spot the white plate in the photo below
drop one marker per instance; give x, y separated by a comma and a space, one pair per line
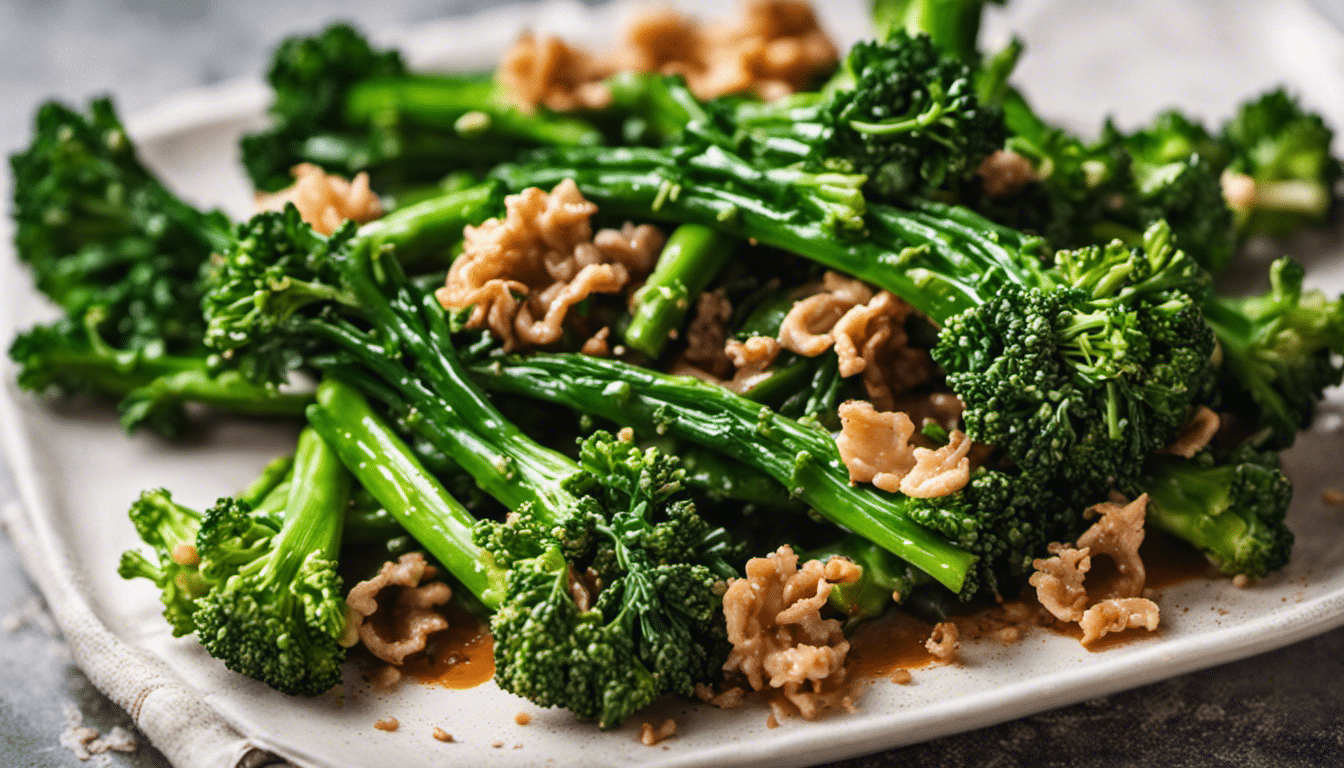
78, 473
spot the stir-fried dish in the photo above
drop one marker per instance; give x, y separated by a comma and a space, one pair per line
681, 361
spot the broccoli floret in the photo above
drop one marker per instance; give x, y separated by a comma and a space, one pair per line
901, 113
311, 77
99, 230
654, 627
1172, 174
1118, 186
1073, 187
911, 122
123, 257
1232, 512
1006, 518
1084, 380
170, 529
1283, 151
1280, 352
276, 609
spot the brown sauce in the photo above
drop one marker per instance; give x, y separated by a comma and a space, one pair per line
462, 656
895, 641
1170, 561
883, 645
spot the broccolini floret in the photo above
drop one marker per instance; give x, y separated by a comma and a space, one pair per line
122, 256
1233, 511
1280, 352
1284, 152
275, 610
901, 113
170, 529
1173, 176
911, 122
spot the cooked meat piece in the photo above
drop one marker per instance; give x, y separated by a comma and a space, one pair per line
866, 329
1196, 433
325, 200
522, 274
1059, 582
939, 472
546, 72
943, 642
778, 635
1118, 532
400, 600
1118, 615
1004, 173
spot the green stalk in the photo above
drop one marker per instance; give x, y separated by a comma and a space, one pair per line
272, 476
430, 228
437, 398
228, 391
438, 101
314, 510
693, 255
392, 474
804, 459
941, 259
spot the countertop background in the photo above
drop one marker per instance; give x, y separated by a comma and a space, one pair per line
1278, 709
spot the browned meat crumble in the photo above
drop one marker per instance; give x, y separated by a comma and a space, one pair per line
780, 641
875, 447
775, 49
649, 736
1196, 433
522, 274
325, 200
1058, 580
867, 331
401, 599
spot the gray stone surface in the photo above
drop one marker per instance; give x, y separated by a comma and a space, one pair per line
1278, 709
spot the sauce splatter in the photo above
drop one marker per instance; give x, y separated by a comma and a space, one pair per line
1170, 561
894, 641
881, 647
462, 656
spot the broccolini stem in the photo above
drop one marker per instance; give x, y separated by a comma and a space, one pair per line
428, 229
941, 259
469, 107
271, 477
227, 390
392, 474
663, 104
315, 509
1233, 513
804, 459
693, 255
437, 399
